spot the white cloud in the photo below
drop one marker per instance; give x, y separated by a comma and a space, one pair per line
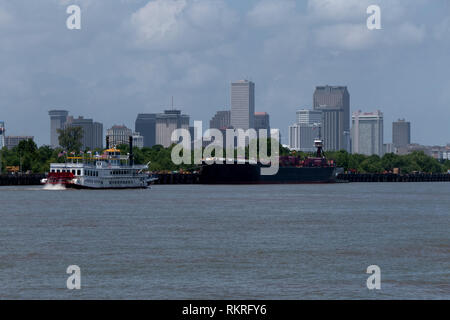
182, 24
338, 10
157, 23
354, 11
345, 36
408, 33
270, 13
5, 17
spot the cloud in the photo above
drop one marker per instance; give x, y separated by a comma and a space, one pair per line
181, 24
408, 33
157, 23
348, 36
337, 10
5, 17
441, 31
341, 24
345, 36
269, 13
355, 10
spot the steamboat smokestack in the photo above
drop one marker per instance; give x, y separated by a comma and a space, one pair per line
131, 150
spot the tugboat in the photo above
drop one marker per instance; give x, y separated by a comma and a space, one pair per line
111, 170
292, 170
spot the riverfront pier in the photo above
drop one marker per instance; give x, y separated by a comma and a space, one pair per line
194, 178
389, 177
21, 179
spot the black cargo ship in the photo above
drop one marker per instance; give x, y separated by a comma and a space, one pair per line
292, 170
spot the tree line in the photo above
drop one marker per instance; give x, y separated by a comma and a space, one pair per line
30, 158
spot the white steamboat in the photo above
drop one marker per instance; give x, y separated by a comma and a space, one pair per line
111, 170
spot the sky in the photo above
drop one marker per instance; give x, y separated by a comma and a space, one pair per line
132, 56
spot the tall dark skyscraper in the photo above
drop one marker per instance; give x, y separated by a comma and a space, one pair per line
262, 121
401, 133
146, 125
334, 102
92, 132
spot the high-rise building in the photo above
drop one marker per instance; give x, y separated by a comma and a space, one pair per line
367, 133
401, 133
119, 134
334, 102
243, 104
388, 148
2, 134
301, 137
221, 120
58, 119
138, 140
307, 128
13, 141
166, 123
309, 117
146, 125
92, 132
262, 122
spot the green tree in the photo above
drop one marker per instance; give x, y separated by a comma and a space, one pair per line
70, 138
26, 146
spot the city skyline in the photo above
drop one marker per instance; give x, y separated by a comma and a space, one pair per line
98, 70
61, 118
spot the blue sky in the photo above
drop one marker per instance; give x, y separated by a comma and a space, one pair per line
131, 56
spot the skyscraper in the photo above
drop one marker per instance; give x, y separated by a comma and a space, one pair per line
401, 133
262, 122
118, 134
221, 120
146, 125
243, 104
306, 129
166, 123
92, 132
334, 102
2, 135
309, 117
367, 133
58, 119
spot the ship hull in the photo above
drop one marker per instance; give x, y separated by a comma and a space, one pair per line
83, 187
251, 174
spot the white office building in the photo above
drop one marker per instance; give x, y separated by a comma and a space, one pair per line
307, 128
367, 133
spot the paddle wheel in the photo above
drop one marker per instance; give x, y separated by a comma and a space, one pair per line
63, 178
